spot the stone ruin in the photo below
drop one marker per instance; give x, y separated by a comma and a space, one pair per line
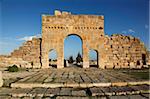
116, 51
26, 56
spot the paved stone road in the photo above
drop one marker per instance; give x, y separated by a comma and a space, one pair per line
76, 83
76, 77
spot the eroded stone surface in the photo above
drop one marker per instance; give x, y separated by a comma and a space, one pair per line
75, 77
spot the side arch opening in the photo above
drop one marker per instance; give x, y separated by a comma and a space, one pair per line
52, 58
93, 58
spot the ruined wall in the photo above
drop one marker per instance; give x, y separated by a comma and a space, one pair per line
30, 52
6, 61
26, 56
124, 52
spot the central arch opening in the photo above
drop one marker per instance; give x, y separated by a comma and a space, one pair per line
73, 51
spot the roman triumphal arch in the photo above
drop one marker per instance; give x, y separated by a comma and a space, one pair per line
56, 28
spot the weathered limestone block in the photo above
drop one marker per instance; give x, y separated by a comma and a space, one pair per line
57, 12
1, 79
132, 65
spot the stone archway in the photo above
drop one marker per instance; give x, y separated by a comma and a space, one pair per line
56, 28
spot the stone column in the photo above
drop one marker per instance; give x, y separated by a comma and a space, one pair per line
1, 79
45, 52
45, 60
60, 56
85, 55
101, 61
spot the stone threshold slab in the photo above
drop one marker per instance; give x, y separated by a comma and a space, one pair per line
74, 85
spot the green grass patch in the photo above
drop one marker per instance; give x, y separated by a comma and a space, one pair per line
137, 73
140, 75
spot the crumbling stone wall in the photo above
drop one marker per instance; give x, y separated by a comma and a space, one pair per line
6, 61
124, 52
30, 52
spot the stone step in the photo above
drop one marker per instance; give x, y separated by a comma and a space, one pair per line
111, 92
79, 84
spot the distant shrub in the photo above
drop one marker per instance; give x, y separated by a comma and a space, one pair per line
13, 68
70, 60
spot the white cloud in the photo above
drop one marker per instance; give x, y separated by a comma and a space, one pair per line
128, 31
146, 26
124, 32
27, 38
131, 31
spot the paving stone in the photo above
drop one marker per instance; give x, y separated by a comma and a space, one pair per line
136, 97
27, 97
71, 97
20, 92
38, 97
146, 95
70, 81
96, 91
48, 79
7, 82
28, 77
140, 87
42, 78
53, 74
78, 93
5, 91
102, 78
137, 89
119, 97
86, 78
98, 97
118, 91
37, 92
52, 92
126, 89
15, 98
65, 91
107, 91
34, 78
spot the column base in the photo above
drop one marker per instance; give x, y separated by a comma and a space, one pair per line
85, 64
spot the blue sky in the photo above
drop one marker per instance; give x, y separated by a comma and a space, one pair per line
21, 19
